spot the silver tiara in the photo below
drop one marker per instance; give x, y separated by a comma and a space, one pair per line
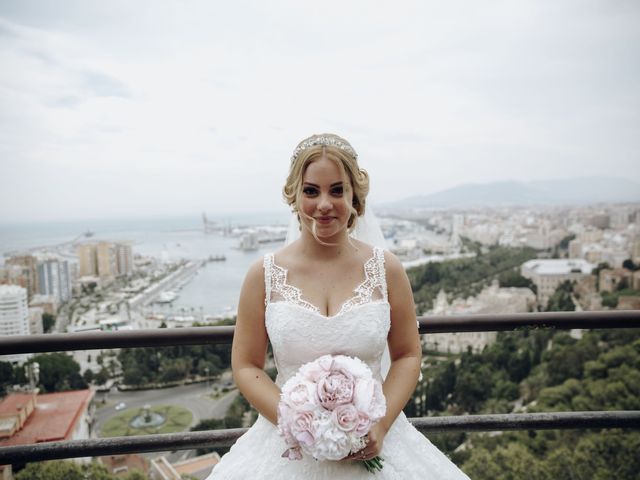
324, 140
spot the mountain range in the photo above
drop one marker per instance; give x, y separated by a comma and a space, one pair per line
568, 191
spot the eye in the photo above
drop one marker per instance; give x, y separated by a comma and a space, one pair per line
337, 191
310, 191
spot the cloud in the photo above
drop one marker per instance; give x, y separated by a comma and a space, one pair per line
207, 102
103, 85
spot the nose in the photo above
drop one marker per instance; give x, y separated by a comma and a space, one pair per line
325, 204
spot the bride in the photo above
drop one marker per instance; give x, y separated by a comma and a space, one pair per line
328, 292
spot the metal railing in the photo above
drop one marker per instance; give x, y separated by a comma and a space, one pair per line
161, 337
220, 438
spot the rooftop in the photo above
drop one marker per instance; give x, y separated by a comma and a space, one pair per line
558, 266
14, 402
11, 290
199, 467
54, 418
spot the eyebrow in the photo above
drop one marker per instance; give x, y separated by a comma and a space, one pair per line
336, 184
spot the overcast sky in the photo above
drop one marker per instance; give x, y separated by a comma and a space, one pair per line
121, 108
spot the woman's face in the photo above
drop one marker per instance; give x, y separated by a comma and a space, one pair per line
325, 198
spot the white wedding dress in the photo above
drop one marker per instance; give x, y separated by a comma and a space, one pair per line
299, 333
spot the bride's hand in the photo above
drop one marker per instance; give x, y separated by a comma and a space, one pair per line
374, 444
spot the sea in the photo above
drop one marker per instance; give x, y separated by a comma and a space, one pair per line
213, 291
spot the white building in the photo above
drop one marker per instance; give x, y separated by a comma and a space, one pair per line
14, 316
492, 300
54, 278
105, 259
124, 258
547, 274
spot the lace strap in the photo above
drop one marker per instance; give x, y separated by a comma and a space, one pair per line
374, 281
382, 274
268, 263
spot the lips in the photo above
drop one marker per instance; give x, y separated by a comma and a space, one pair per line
324, 219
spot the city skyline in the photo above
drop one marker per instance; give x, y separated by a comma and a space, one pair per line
160, 109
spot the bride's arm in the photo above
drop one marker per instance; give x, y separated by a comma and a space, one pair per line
403, 339
405, 350
250, 346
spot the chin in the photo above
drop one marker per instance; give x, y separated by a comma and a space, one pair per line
329, 233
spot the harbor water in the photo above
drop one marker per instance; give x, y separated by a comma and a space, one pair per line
215, 287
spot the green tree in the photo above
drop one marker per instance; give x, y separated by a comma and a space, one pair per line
512, 278
561, 300
440, 387
135, 475
622, 285
473, 386
56, 470
170, 364
214, 424
567, 357
96, 471
68, 470
564, 243
59, 372
463, 277
6, 377
511, 462
88, 375
609, 299
48, 322
101, 377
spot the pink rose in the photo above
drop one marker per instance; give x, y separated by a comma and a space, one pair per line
345, 417
335, 388
301, 396
364, 424
357, 367
301, 426
312, 371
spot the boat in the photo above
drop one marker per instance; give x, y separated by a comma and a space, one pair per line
217, 258
167, 296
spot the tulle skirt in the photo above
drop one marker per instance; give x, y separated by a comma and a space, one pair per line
406, 452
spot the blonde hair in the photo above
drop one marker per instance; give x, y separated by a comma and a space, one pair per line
342, 154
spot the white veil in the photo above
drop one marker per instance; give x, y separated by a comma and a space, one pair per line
368, 231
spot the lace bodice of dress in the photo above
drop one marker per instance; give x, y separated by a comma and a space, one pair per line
299, 333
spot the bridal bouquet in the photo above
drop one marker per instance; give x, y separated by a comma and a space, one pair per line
328, 407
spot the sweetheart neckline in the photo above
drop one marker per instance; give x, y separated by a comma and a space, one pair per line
332, 317
355, 293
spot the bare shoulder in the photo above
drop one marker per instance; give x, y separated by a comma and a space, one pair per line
256, 270
398, 285
252, 294
254, 279
393, 265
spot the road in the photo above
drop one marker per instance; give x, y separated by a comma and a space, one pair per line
194, 398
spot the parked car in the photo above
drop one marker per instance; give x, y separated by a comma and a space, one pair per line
121, 406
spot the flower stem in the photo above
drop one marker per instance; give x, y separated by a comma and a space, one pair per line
374, 465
